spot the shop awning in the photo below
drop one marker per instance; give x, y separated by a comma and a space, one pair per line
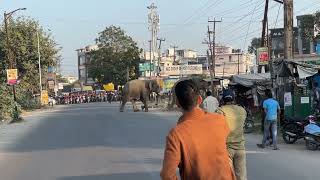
249, 80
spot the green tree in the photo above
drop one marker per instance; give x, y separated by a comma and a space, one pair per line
24, 48
117, 54
310, 24
255, 44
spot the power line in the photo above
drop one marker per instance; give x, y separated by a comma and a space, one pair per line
277, 16
196, 12
217, 2
245, 41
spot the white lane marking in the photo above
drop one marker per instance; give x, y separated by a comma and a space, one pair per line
256, 152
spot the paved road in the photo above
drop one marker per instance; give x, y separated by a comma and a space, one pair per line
95, 142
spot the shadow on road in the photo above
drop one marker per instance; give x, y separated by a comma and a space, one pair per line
96, 125
122, 176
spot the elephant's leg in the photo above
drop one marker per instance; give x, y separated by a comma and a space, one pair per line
135, 108
145, 102
124, 101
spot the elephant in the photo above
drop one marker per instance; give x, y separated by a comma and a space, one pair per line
138, 90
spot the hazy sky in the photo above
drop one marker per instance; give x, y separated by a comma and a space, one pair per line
76, 23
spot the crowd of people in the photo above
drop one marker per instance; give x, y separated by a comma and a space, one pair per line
208, 141
87, 97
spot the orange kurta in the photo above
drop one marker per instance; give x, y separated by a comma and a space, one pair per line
198, 146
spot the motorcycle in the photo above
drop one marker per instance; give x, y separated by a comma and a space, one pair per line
293, 129
249, 122
312, 134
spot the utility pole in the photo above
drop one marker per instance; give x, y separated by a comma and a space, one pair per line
238, 63
174, 53
39, 64
288, 29
213, 43
159, 55
264, 24
150, 56
12, 64
213, 48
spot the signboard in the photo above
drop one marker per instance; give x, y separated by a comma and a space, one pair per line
12, 76
145, 67
51, 84
304, 100
183, 69
262, 56
50, 69
60, 86
50, 76
287, 99
44, 97
318, 48
108, 87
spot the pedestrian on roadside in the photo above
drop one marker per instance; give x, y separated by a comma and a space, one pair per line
197, 145
210, 104
235, 116
272, 110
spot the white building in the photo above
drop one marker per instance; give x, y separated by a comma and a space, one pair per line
229, 61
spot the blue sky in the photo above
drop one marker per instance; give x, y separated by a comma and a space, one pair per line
76, 23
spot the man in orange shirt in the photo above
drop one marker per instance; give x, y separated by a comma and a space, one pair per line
197, 145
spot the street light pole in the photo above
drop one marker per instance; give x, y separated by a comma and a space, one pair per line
11, 64
39, 63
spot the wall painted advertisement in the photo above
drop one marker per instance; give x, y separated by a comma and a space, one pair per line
183, 70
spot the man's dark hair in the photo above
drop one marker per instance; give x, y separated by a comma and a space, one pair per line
208, 93
269, 93
187, 94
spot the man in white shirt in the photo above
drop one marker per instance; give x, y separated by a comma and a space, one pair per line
210, 104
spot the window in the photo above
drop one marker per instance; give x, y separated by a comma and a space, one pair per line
230, 58
82, 60
221, 58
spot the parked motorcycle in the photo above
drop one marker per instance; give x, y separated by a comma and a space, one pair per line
293, 129
312, 134
249, 122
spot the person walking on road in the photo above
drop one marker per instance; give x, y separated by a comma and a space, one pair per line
210, 104
272, 109
197, 145
235, 116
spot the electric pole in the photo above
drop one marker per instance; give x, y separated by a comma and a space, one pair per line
288, 29
264, 24
150, 57
213, 48
174, 53
12, 64
153, 19
238, 63
159, 55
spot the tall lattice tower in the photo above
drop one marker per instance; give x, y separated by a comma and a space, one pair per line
154, 22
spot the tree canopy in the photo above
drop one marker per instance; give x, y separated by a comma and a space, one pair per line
22, 33
117, 54
255, 44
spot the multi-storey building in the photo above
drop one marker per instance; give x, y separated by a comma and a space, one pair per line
83, 62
